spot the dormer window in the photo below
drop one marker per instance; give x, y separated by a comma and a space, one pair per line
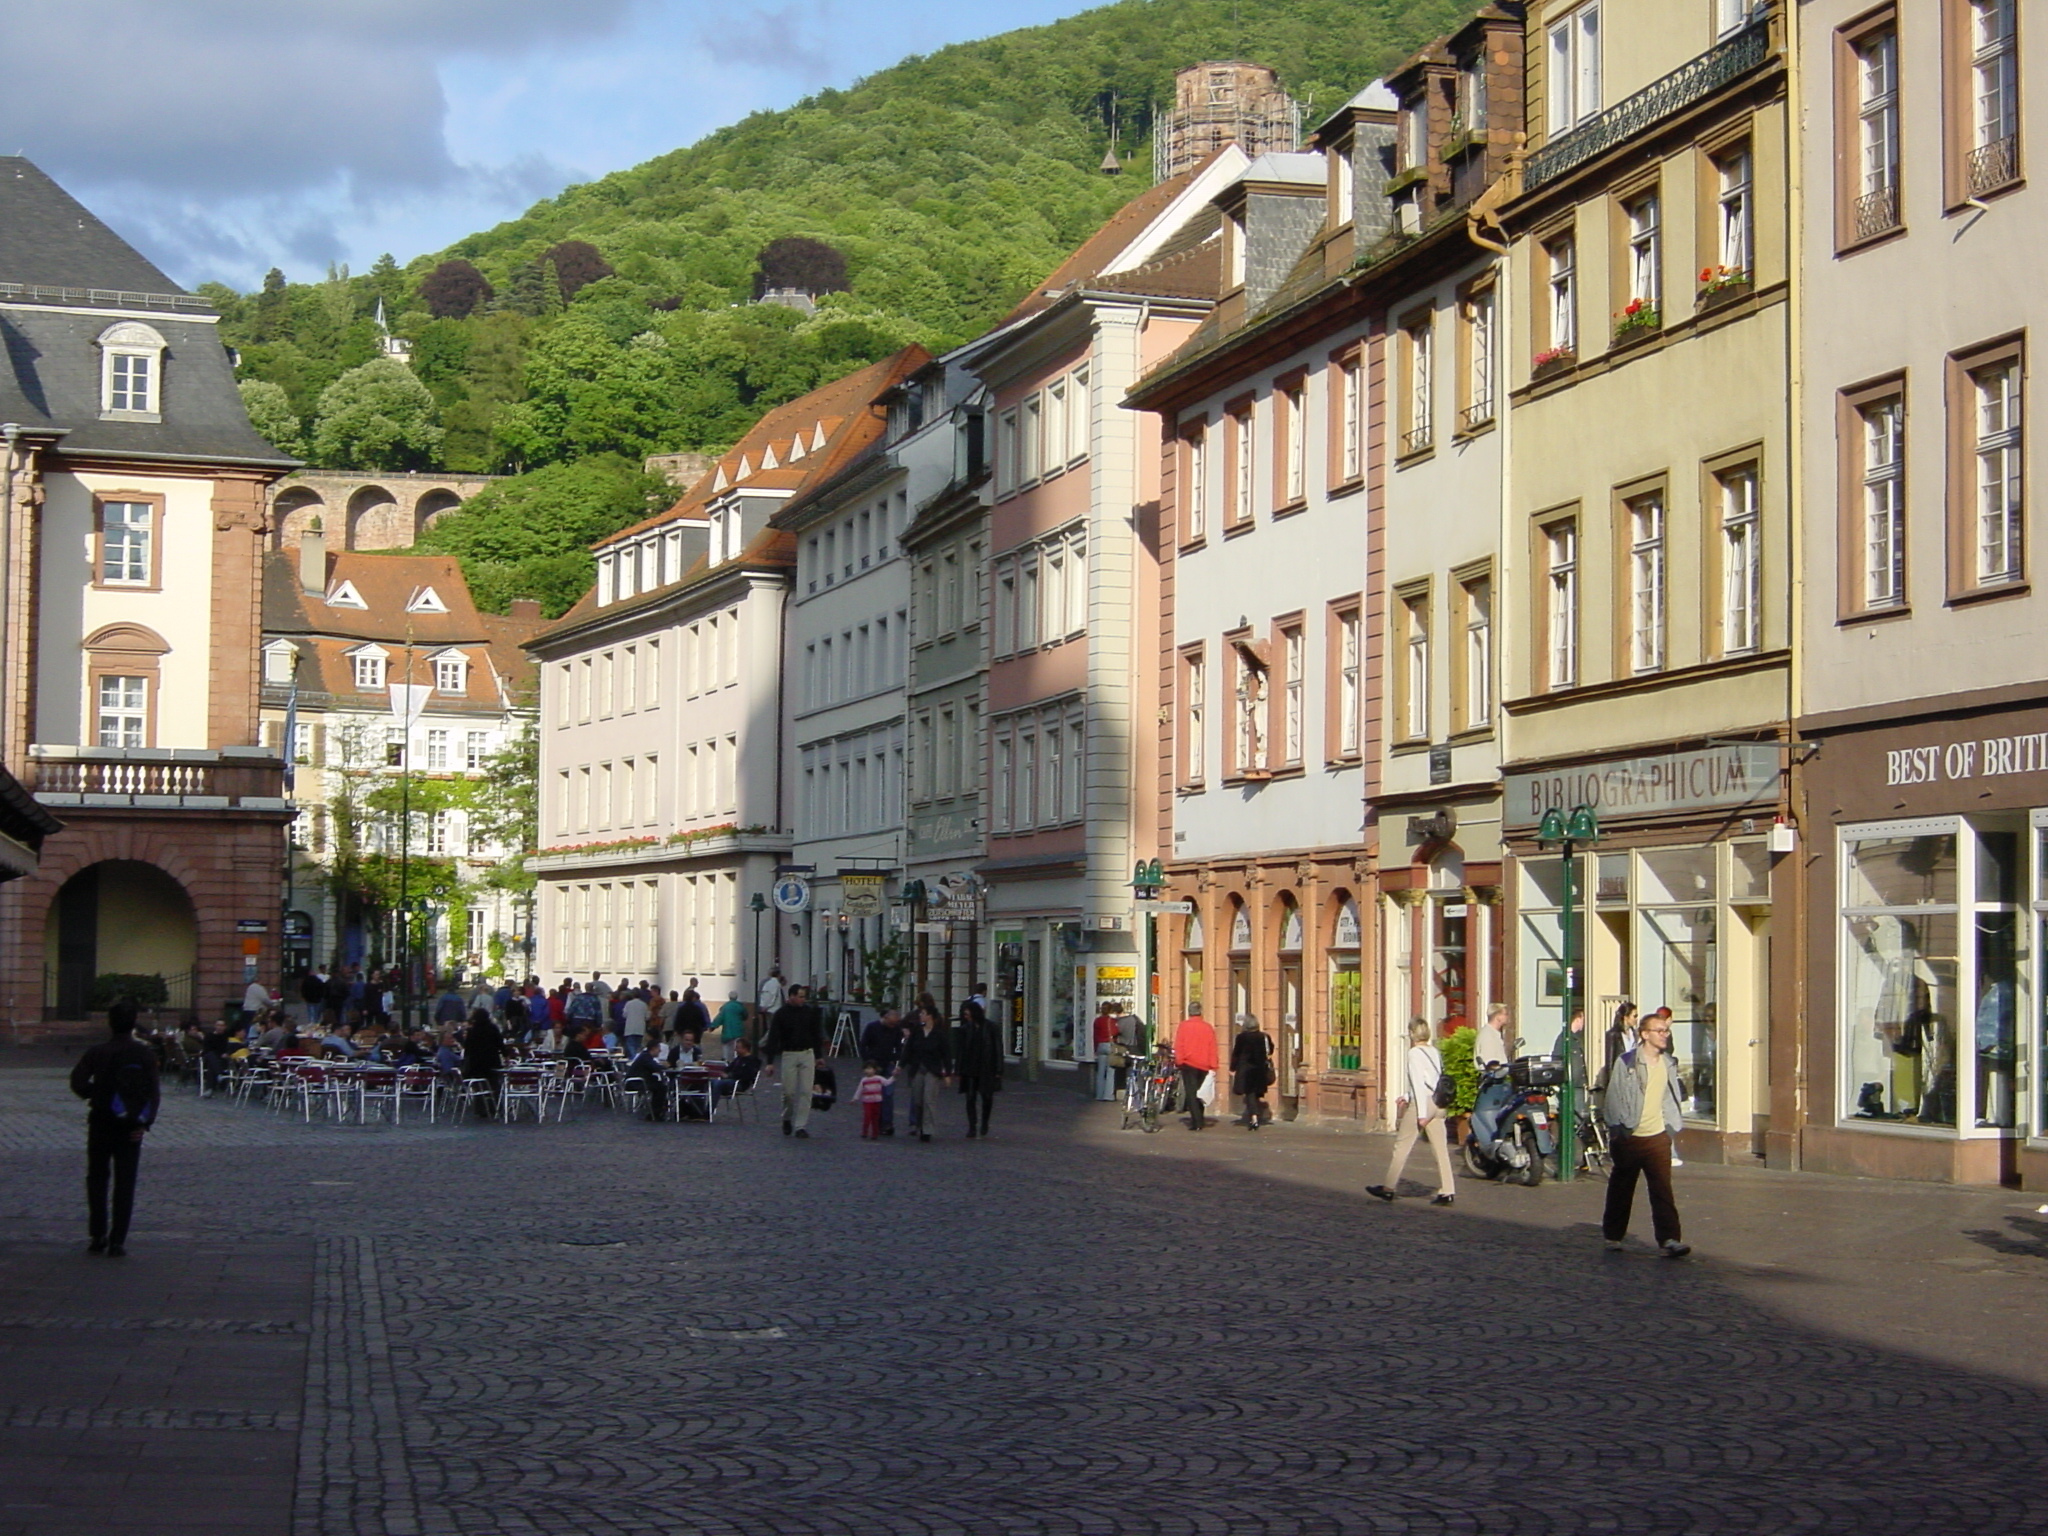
425, 600
345, 595
131, 373
369, 669
607, 578
451, 673
280, 661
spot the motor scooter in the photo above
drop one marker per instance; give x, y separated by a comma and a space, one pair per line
1525, 1145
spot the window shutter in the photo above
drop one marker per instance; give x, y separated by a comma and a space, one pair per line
319, 746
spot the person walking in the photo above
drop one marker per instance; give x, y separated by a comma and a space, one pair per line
796, 1039
118, 1081
1419, 1114
882, 1043
978, 1059
927, 1061
731, 1024
1105, 1055
772, 994
1194, 1051
1644, 1113
1251, 1071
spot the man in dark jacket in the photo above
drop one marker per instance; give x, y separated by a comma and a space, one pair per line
796, 1039
483, 1056
1251, 1071
927, 1061
118, 1080
978, 1058
882, 1043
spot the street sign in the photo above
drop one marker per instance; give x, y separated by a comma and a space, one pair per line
1179, 908
935, 930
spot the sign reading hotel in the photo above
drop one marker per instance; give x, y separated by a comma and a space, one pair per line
1709, 779
860, 895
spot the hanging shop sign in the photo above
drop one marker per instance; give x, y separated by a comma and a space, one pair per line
1706, 779
792, 889
860, 895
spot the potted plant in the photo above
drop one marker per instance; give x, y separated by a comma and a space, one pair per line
1457, 1053
1720, 285
1553, 360
1639, 318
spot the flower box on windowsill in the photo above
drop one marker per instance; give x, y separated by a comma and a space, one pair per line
1633, 330
1415, 175
1548, 365
1724, 289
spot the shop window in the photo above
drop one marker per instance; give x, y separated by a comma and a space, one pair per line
1347, 996
1906, 971
1191, 965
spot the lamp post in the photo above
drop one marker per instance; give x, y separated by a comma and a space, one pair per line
757, 904
1570, 831
1147, 881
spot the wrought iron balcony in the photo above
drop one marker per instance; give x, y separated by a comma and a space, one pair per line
1694, 81
157, 779
1877, 212
1993, 165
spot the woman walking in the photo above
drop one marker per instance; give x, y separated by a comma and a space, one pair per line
1420, 1116
978, 1058
1251, 1071
927, 1058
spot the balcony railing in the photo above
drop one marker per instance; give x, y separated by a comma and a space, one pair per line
1877, 212
1416, 440
1993, 165
159, 778
1693, 81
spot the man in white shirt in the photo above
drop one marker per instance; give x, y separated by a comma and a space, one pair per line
633, 1018
1491, 1048
255, 1000
771, 993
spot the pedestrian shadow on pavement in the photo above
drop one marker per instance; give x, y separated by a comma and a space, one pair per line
2027, 1239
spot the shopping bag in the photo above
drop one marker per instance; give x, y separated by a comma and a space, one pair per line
1207, 1092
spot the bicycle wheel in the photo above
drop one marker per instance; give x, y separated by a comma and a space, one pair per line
1148, 1112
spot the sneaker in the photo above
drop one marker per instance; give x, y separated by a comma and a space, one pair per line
1674, 1249
1677, 1161
1379, 1192
1443, 1199
803, 1135
1613, 1244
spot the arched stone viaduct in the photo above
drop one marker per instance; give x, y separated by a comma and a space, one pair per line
364, 511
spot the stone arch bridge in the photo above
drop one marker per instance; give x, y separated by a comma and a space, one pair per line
365, 511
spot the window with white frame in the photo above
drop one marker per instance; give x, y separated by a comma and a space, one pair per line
1562, 280
1004, 639
437, 751
369, 671
1248, 707
1646, 553
1877, 118
1080, 418
1561, 602
1195, 493
1995, 105
1645, 251
1737, 210
1241, 493
1478, 599
127, 539
1001, 782
1295, 400
1480, 347
1293, 696
1415, 680
1574, 68
1008, 450
1077, 582
1350, 421
1053, 737
131, 369
1028, 611
1741, 560
1073, 807
1032, 435
1884, 503
123, 711
280, 662
476, 750
1194, 718
1350, 671
1055, 457
1420, 356
451, 674
2000, 482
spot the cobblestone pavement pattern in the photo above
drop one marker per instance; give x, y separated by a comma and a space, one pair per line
612, 1327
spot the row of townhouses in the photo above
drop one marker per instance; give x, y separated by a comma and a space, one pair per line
1560, 532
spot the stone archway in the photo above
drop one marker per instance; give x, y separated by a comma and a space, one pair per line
294, 510
375, 520
119, 917
432, 506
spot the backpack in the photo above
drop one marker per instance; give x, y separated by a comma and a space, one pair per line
125, 1092
1446, 1091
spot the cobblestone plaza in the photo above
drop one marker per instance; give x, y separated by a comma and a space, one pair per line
609, 1326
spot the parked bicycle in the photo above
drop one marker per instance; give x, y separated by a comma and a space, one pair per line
1151, 1090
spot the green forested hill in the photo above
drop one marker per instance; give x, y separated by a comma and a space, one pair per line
950, 183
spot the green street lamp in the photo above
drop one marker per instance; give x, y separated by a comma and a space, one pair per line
757, 905
1569, 832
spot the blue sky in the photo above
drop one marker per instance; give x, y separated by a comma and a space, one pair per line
224, 137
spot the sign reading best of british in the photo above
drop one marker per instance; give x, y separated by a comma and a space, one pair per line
1708, 779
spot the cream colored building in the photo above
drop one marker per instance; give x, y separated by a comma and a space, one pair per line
1645, 551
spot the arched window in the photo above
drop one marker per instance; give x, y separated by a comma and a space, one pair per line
131, 372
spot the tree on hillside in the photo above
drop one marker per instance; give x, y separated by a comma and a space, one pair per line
271, 414
577, 265
806, 265
377, 416
454, 290
273, 308
532, 290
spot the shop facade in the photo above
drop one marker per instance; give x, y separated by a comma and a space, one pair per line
1928, 877
1674, 906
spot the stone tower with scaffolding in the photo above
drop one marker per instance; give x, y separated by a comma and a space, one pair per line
1215, 104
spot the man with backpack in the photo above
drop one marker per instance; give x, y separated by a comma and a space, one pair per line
118, 1080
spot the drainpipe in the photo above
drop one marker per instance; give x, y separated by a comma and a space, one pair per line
10, 433
1795, 502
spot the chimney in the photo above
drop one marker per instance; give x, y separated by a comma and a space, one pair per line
313, 558
526, 609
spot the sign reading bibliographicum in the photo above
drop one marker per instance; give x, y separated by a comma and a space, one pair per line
1709, 778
